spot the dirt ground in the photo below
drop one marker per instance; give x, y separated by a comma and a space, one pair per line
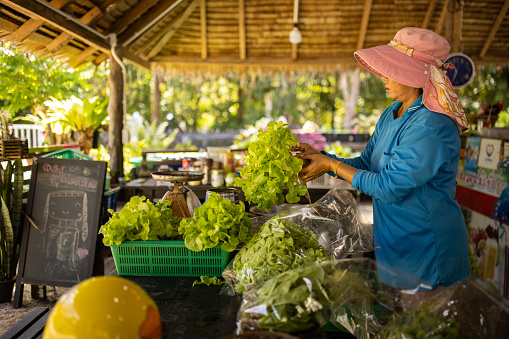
9, 316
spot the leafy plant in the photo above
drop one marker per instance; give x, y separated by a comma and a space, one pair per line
140, 219
11, 188
217, 221
83, 116
278, 246
270, 168
292, 301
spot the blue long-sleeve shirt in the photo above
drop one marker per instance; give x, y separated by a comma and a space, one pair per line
409, 169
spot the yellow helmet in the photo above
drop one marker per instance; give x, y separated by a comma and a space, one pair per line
104, 307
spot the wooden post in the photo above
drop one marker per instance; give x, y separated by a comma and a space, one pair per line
116, 113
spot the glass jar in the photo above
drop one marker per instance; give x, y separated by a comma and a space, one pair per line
217, 178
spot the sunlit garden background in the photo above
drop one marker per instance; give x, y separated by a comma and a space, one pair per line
172, 110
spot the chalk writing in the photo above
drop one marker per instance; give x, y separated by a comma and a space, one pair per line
52, 168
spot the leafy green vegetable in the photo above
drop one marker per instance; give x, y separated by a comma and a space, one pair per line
270, 168
140, 220
278, 246
419, 323
218, 220
292, 301
204, 280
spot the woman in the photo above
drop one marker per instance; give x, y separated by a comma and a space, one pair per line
409, 164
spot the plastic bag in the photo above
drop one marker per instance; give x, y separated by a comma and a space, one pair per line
304, 234
465, 310
292, 301
346, 292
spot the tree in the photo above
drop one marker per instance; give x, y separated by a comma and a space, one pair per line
27, 80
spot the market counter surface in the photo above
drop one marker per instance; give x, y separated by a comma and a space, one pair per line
201, 311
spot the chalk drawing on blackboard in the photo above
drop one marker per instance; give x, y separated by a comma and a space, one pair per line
65, 219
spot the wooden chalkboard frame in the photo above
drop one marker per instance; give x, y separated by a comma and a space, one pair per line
91, 216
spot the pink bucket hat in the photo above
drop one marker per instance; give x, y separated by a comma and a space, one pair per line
415, 58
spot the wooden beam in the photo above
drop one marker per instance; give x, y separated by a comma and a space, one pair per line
429, 13
145, 20
158, 35
86, 53
203, 24
441, 19
494, 29
102, 57
242, 29
457, 32
64, 38
131, 16
175, 27
32, 25
37, 10
36, 38
364, 24
109, 5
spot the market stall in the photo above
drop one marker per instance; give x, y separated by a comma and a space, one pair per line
482, 180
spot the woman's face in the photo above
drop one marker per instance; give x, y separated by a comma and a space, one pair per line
399, 92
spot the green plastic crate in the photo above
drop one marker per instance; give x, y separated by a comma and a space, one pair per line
67, 154
167, 258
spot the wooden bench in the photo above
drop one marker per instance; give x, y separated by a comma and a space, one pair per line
30, 327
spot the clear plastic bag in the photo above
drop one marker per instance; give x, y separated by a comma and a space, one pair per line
304, 234
345, 292
469, 310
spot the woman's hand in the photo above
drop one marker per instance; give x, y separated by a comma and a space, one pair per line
319, 164
304, 148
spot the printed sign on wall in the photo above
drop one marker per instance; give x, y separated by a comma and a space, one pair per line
489, 153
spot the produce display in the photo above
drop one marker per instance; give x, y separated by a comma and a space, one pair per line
140, 219
217, 221
276, 247
270, 168
420, 323
292, 301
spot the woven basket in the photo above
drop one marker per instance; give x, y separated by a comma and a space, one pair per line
12, 149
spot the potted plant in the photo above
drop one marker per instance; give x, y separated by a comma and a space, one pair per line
83, 116
11, 199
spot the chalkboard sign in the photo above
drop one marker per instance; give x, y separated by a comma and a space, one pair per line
61, 223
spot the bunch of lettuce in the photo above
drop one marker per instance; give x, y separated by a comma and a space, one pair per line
217, 221
270, 168
290, 302
140, 219
278, 246
421, 322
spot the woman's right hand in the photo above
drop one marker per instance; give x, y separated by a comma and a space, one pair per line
304, 148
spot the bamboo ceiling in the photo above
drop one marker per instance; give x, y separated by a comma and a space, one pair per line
241, 34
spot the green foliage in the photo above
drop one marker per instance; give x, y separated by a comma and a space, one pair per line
78, 115
27, 80
11, 196
278, 246
490, 85
270, 168
188, 145
217, 221
341, 151
139, 219
419, 323
204, 280
294, 301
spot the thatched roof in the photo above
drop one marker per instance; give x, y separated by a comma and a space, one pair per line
241, 34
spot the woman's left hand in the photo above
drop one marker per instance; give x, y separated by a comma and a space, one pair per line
319, 165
